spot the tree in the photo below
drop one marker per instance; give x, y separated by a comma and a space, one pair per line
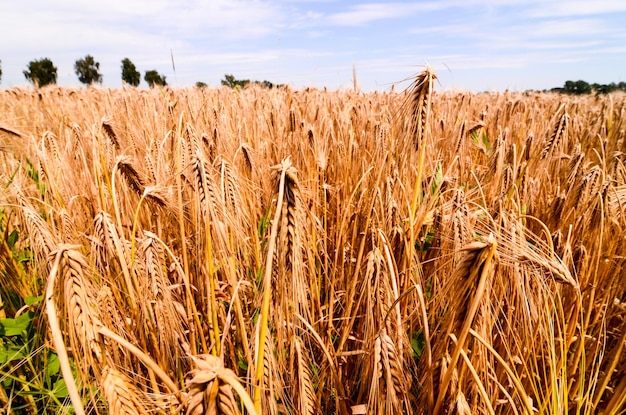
266, 84
230, 81
201, 84
130, 74
153, 78
604, 88
41, 72
577, 88
88, 70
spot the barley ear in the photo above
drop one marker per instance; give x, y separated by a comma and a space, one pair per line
306, 392
476, 265
421, 95
121, 394
421, 92
211, 388
57, 337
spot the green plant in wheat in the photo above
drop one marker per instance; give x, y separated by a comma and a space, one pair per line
29, 367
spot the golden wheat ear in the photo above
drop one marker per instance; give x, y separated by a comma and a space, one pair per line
421, 91
473, 271
211, 389
70, 268
121, 394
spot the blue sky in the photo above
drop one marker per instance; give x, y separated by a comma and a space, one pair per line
472, 44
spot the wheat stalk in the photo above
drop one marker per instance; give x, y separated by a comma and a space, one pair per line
283, 167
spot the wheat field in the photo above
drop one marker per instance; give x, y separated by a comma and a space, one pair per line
279, 251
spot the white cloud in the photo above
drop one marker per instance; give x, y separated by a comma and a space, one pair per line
560, 8
369, 12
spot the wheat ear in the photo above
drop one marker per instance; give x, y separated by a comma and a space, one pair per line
559, 132
122, 396
421, 91
211, 388
479, 259
306, 392
421, 94
57, 337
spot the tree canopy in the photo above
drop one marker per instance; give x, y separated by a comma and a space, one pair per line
88, 70
230, 81
130, 74
152, 78
41, 72
581, 87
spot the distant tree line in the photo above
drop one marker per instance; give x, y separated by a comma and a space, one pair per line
581, 87
42, 72
230, 81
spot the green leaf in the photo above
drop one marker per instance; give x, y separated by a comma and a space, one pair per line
10, 352
15, 326
474, 137
33, 300
242, 364
12, 239
437, 179
486, 142
263, 224
53, 366
255, 315
60, 388
24, 255
418, 342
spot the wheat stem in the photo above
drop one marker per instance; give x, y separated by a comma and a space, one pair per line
267, 279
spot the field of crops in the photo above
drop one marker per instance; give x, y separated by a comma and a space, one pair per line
285, 251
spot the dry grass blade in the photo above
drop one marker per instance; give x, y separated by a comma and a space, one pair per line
10, 131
